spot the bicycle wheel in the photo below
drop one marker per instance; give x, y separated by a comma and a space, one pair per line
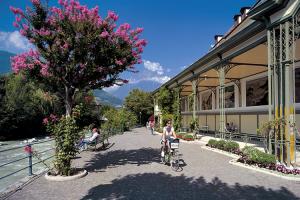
174, 164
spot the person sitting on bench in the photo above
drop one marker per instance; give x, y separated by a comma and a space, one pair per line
84, 142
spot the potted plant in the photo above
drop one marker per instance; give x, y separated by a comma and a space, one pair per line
194, 124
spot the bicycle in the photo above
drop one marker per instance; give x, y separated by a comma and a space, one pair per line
171, 155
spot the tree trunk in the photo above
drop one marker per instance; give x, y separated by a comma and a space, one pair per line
68, 101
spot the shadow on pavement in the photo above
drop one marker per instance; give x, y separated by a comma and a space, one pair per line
165, 186
117, 158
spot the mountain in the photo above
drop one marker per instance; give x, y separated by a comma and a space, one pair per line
123, 91
5, 62
106, 98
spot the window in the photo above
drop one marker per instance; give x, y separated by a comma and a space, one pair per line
229, 96
206, 101
297, 85
257, 92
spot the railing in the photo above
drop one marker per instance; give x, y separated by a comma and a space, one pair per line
30, 152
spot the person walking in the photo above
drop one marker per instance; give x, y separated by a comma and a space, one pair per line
151, 123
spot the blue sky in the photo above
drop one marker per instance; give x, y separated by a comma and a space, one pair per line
178, 32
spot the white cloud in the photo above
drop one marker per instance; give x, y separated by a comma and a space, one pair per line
154, 67
111, 88
14, 42
158, 79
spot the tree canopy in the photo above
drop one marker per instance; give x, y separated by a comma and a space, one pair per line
139, 102
75, 48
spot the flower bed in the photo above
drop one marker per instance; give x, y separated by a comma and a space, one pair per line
252, 156
185, 136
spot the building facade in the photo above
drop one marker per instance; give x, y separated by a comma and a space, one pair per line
250, 76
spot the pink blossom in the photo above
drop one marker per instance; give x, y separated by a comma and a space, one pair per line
35, 2
141, 43
45, 121
15, 24
25, 27
18, 19
16, 10
119, 62
139, 30
65, 46
104, 34
112, 15
23, 32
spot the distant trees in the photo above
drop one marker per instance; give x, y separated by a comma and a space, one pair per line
22, 107
140, 103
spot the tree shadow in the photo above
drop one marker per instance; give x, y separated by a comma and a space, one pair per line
117, 158
165, 186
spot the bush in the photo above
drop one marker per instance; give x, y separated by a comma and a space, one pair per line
180, 135
212, 143
231, 146
255, 156
188, 137
221, 144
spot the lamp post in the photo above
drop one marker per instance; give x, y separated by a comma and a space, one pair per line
140, 118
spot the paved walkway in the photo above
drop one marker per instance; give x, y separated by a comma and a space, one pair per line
130, 169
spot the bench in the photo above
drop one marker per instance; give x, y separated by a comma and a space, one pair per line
104, 135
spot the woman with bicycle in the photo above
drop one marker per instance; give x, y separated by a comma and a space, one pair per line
168, 135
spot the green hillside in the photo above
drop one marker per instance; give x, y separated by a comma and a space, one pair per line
106, 98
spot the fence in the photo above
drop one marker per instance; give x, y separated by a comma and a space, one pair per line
16, 160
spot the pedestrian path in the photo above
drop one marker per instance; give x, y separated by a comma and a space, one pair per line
130, 169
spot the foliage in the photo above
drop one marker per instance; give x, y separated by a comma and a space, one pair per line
188, 137
60, 35
254, 155
22, 107
194, 124
139, 101
165, 100
176, 109
272, 127
221, 144
191, 101
118, 120
158, 129
231, 146
66, 134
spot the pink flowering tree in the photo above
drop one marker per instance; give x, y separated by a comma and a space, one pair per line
75, 48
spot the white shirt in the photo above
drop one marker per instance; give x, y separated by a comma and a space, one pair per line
168, 133
94, 136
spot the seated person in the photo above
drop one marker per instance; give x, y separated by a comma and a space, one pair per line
83, 143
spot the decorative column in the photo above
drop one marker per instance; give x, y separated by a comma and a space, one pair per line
221, 73
270, 88
194, 88
281, 77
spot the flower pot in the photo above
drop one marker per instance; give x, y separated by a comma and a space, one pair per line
77, 175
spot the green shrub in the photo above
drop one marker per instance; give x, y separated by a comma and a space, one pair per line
212, 143
180, 135
221, 144
231, 146
258, 156
248, 149
188, 137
